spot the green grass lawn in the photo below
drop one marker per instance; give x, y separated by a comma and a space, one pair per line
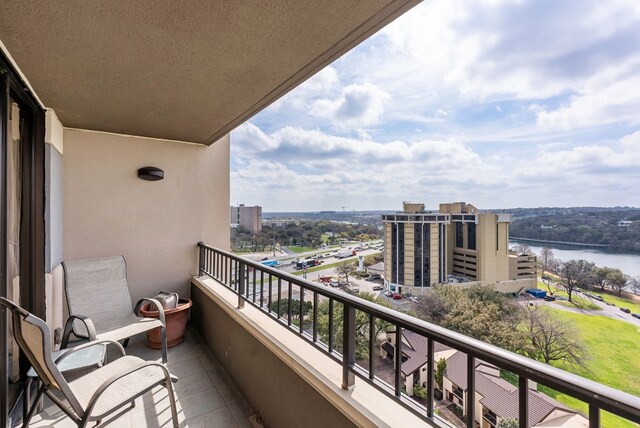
576, 301
301, 249
619, 301
612, 346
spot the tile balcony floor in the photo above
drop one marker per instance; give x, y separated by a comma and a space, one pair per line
205, 394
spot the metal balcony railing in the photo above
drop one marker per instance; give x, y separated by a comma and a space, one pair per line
261, 286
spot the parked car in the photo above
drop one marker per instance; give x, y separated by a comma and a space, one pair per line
374, 276
600, 298
377, 287
397, 296
265, 258
609, 303
636, 316
414, 299
549, 298
626, 310
388, 293
334, 283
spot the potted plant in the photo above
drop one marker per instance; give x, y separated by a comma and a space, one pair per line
176, 316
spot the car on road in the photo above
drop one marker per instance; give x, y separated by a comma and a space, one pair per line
377, 287
265, 258
397, 296
626, 310
600, 298
609, 303
334, 283
636, 316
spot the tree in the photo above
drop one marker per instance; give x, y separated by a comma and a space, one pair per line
508, 423
345, 269
617, 280
600, 277
546, 257
372, 259
441, 366
551, 339
575, 273
295, 308
478, 311
361, 329
432, 307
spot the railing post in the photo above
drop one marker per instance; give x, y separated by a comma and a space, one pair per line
523, 401
594, 416
200, 257
397, 359
430, 378
348, 346
471, 391
241, 284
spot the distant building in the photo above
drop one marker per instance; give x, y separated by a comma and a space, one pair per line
247, 217
624, 223
456, 244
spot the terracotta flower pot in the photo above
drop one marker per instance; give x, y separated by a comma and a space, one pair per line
176, 320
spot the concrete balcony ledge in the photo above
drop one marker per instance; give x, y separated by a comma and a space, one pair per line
285, 379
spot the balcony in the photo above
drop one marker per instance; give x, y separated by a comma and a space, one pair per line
205, 394
234, 311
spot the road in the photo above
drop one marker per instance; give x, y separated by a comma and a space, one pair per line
605, 310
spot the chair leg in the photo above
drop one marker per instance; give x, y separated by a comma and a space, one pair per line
35, 405
125, 343
172, 400
164, 344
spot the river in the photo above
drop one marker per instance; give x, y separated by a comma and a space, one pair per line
627, 263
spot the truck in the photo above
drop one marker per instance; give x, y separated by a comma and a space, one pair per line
345, 253
307, 263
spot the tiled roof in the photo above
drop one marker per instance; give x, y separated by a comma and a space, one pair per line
416, 351
498, 395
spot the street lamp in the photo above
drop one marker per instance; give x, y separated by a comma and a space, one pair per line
273, 226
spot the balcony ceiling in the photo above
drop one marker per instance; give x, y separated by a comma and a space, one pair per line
187, 71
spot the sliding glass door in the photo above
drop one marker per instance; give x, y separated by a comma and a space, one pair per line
21, 226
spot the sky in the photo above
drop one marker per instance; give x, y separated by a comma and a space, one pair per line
501, 104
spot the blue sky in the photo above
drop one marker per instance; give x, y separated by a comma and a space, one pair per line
497, 103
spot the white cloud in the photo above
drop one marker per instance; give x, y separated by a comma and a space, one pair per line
358, 106
608, 98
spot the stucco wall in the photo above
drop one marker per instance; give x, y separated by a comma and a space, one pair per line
272, 388
109, 211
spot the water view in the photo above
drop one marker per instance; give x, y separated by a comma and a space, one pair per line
627, 263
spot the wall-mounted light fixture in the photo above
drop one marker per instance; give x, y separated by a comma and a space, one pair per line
151, 173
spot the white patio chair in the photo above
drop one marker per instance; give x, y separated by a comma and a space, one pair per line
95, 395
100, 304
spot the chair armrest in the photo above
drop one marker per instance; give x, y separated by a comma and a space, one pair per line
87, 345
153, 302
94, 398
68, 328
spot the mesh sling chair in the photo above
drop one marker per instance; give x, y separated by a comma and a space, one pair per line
100, 305
96, 394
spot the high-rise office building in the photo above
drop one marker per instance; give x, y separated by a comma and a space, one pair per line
458, 243
248, 217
